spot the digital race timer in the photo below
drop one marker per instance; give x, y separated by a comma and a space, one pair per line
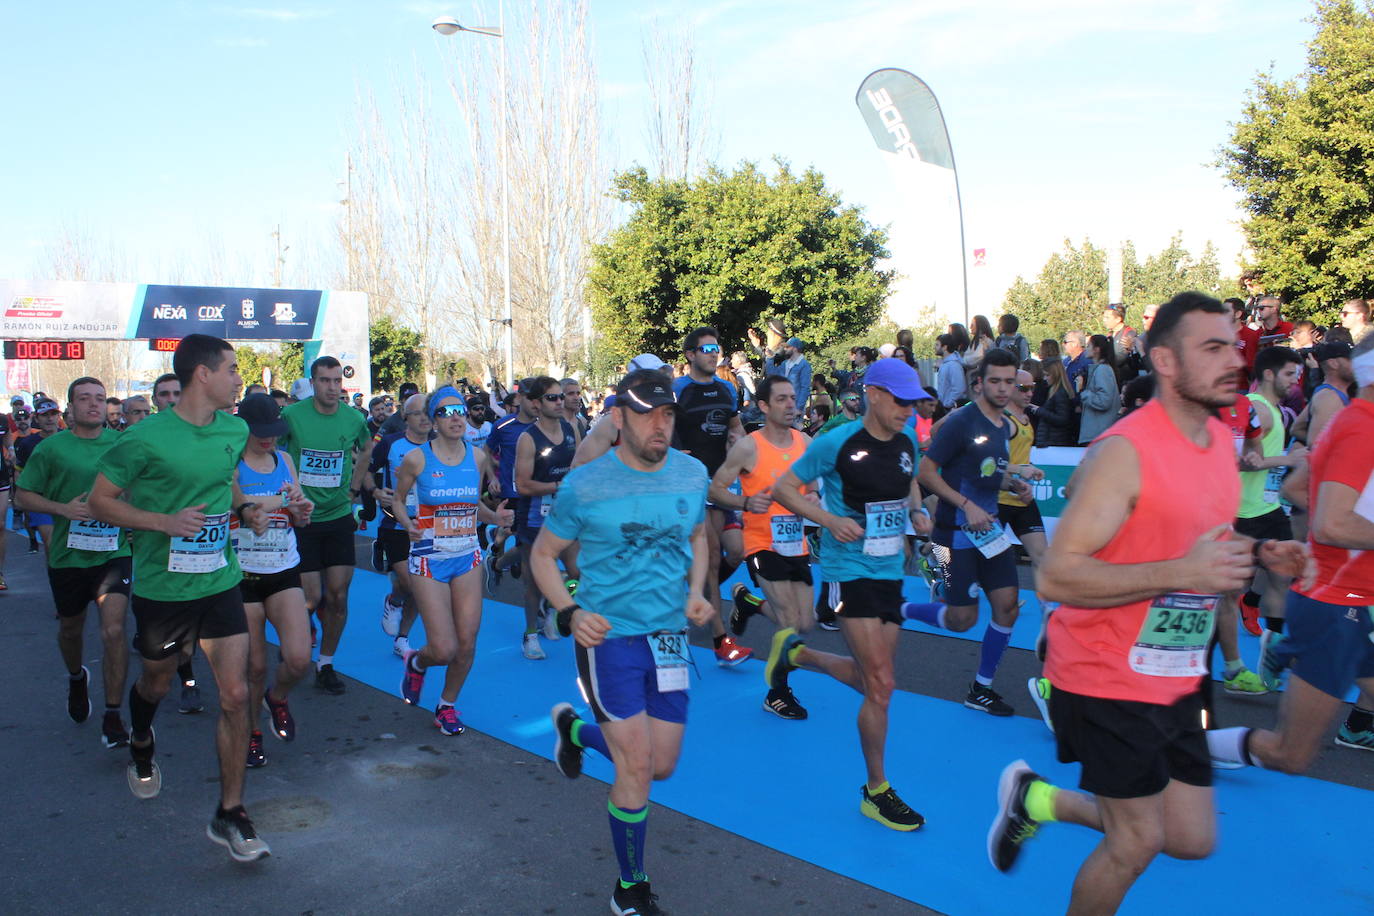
45, 349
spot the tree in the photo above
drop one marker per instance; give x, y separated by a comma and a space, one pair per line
396, 352
1302, 156
732, 250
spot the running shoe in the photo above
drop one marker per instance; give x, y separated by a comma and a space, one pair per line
144, 775
112, 731
635, 900
79, 696
825, 614
378, 557
985, 699
33, 546
889, 810
776, 669
1042, 638
1244, 683
1361, 741
493, 573
1039, 688
1270, 665
447, 721
283, 725
256, 758
391, 617
550, 623
1013, 825
400, 646
783, 704
1249, 616
566, 755
234, 831
729, 653
190, 699
412, 682
328, 680
739, 617
530, 646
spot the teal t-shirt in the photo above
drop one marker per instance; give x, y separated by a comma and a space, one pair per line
635, 529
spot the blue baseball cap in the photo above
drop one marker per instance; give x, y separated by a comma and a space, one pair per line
896, 378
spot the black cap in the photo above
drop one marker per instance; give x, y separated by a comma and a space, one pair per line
407, 389
263, 416
1333, 350
643, 390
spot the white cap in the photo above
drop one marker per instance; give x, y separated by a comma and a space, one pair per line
645, 361
887, 350
302, 389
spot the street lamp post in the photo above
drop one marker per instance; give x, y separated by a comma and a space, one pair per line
447, 25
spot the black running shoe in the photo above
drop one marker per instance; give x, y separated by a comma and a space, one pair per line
256, 758
328, 681
378, 556
79, 696
987, 700
1013, 825
889, 810
566, 755
635, 900
739, 617
784, 705
190, 699
234, 831
112, 731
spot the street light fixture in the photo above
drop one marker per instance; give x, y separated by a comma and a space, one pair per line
447, 25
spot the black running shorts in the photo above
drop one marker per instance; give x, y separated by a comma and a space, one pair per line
258, 587
326, 544
1130, 749
1022, 520
1273, 525
75, 587
395, 546
164, 627
773, 566
880, 598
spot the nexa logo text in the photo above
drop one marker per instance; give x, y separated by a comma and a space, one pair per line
210, 313
171, 312
892, 120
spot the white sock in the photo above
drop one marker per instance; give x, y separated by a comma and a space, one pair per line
1227, 745
326, 660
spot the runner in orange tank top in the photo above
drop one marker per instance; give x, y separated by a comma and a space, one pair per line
1139, 560
775, 548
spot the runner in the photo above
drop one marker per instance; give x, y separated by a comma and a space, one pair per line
967, 467
572, 406
88, 561
166, 392
605, 435
708, 408
399, 608
1329, 636
170, 480
271, 587
1142, 549
776, 553
543, 456
638, 513
331, 448
869, 474
501, 448
47, 418
446, 475
1331, 395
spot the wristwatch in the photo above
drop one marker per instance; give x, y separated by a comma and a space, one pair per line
564, 618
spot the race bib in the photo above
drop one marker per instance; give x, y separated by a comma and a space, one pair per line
89, 534
1173, 639
670, 660
267, 550
1273, 482
203, 552
321, 468
788, 536
884, 524
991, 542
455, 529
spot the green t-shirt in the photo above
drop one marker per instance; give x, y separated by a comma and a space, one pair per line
165, 464
323, 447
61, 468
838, 420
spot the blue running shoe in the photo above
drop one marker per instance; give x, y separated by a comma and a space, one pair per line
1270, 665
412, 682
447, 721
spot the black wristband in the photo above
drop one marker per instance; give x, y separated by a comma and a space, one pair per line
1255, 549
564, 618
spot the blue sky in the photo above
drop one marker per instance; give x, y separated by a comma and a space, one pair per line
186, 131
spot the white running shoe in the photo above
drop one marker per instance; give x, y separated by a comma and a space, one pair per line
532, 649
391, 617
401, 646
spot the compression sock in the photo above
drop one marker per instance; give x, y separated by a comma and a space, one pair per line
186, 672
995, 639
587, 735
1360, 720
1040, 801
931, 613
1230, 745
141, 714
629, 826
1234, 666
1273, 624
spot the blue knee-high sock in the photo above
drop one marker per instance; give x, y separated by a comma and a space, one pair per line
995, 639
585, 734
629, 826
931, 613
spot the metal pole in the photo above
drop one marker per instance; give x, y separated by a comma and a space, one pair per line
505, 207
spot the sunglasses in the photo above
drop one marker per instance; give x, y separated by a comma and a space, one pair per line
554, 397
450, 410
1024, 388
709, 348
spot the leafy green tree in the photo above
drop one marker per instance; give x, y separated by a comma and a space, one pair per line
284, 359
732, 250
396, 353
1302, 156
